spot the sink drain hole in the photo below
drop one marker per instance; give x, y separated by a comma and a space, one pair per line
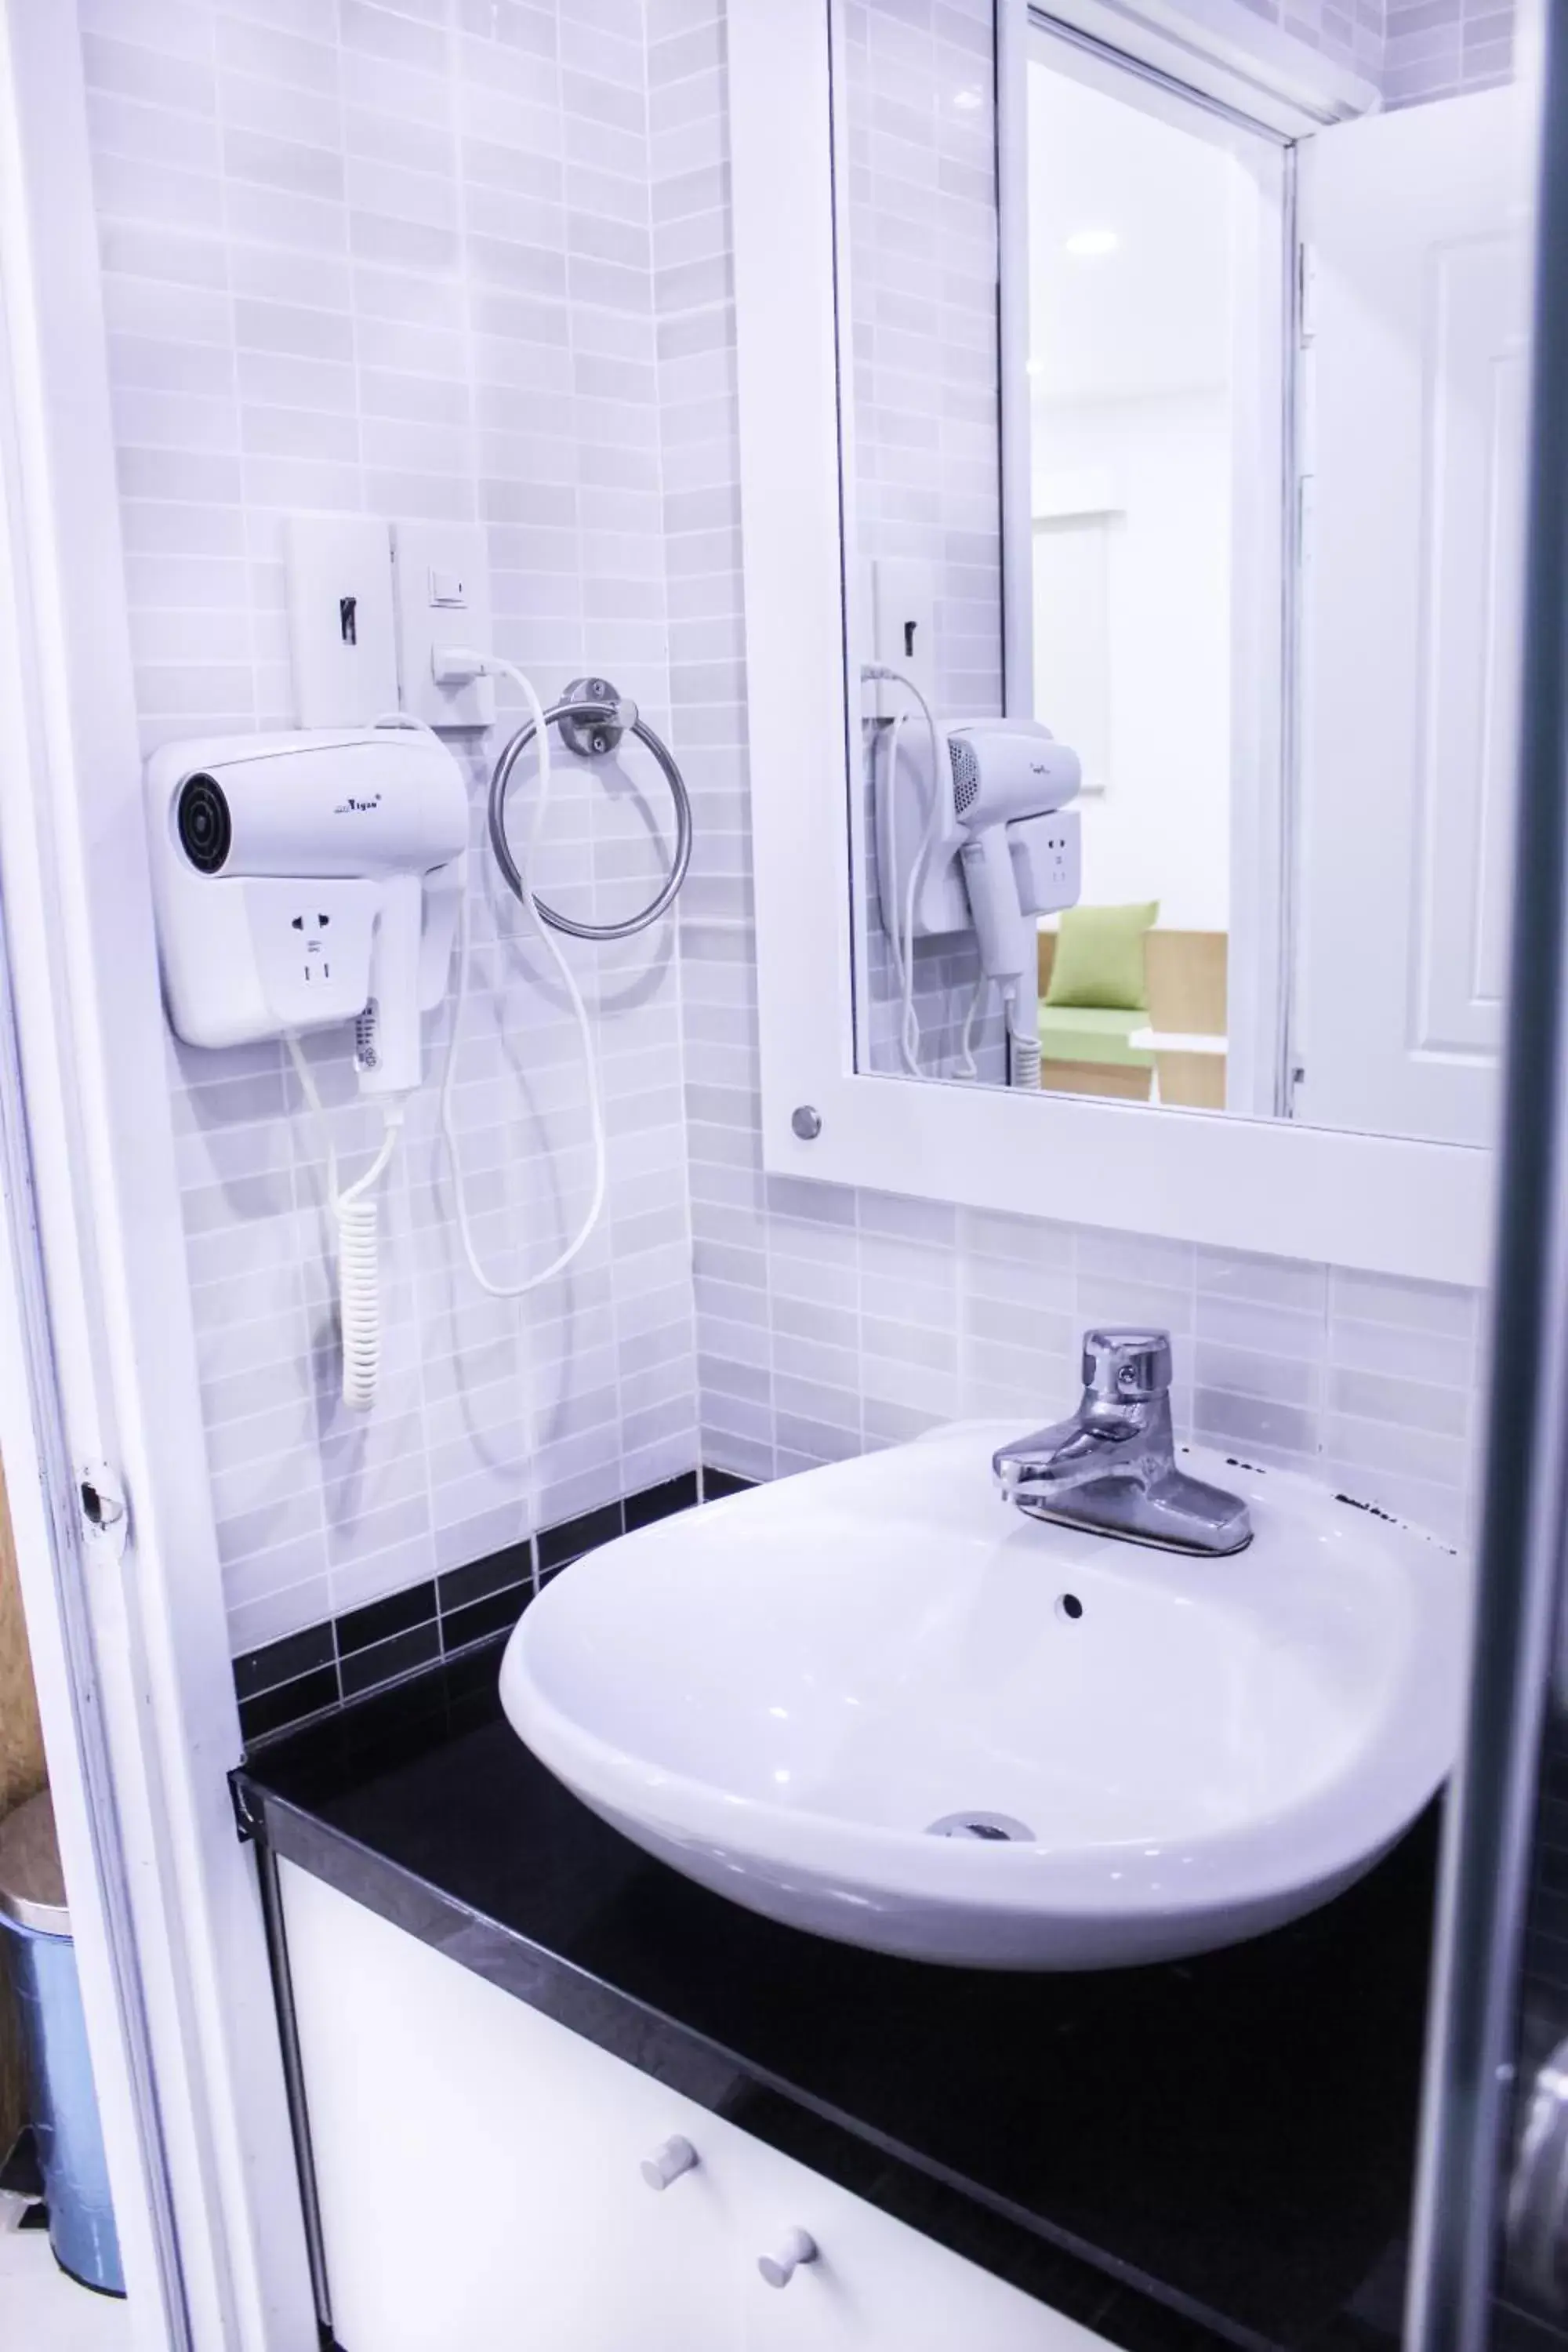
992, 1829
1070, 1605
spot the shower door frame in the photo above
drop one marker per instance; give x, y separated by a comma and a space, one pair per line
1472, 2106
98, 1368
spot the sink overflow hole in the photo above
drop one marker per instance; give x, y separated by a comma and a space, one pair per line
993, 1828
1070, 1605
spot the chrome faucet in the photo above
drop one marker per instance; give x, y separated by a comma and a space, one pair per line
1112, 1467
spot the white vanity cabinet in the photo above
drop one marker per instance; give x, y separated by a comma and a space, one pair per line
480, 2170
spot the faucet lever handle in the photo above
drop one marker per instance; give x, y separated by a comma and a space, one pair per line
1126, 1364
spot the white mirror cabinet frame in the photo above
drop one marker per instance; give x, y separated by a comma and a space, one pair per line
1388, 1204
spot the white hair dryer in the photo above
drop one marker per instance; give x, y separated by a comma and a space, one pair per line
302, 880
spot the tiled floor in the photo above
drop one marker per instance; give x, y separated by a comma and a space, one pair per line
41, 2310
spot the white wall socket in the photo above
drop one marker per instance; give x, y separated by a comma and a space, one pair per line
442, 592
903, 630
340, 619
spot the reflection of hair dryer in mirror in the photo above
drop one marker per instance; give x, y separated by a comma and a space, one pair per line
1005, 772
992, 849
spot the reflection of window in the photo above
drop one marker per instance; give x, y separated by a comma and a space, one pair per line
1072, 621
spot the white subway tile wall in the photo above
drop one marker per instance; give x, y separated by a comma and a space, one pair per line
918, 299
1348, 30
1412, 49
1436, 49
921, 311
396, 259
829, 1321
470, 258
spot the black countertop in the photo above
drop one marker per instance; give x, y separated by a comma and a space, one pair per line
1222, 2147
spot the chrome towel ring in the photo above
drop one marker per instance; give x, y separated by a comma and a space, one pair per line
593, 718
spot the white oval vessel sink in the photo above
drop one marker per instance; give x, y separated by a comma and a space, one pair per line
877, 1702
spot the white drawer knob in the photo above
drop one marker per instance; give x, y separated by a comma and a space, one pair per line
668, 2162
779, 2267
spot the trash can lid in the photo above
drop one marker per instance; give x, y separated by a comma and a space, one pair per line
32, 1883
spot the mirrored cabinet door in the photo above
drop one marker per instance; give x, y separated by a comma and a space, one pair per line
1183, 460
1412, 450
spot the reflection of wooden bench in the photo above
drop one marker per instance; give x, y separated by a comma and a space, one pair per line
1086, 1050
1186, 973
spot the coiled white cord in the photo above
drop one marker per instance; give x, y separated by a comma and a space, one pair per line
356, 1213
564, 1257
1026, 1061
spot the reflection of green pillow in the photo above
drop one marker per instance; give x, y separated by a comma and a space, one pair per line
1099, 957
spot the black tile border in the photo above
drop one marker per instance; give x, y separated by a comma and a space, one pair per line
660, 1502
381, 1662
319, 1669
498, 1571
291, 1703
554, 1547
378, 1620
716, 1483
282, 1661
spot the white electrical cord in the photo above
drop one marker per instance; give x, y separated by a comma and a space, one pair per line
903, 937
354, 1210
966, 1065
902, 945
457, 662
904, 934
357, 1215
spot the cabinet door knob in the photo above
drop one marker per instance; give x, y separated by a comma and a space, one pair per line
780, 2266
668, 2163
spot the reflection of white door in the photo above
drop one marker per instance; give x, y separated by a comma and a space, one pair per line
1072, 637
1414, 399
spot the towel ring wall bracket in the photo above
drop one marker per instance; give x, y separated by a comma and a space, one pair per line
593, 720
591, 738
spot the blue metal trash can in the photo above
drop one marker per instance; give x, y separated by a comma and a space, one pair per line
36, 1925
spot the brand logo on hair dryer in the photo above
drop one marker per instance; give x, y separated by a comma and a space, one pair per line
345, 808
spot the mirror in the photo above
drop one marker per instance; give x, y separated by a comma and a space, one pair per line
1182, 466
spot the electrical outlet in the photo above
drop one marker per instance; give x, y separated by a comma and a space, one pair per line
1047, 861
313, 955
340, 619
442, 594
314, 946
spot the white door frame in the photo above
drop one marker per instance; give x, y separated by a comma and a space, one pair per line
209, 2135
1389, 636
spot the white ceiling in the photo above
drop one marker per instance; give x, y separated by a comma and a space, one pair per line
1154, 315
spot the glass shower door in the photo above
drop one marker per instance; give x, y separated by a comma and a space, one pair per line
1490, 2254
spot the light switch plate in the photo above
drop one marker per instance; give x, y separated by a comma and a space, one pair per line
442, 592
340, 619
903, 630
